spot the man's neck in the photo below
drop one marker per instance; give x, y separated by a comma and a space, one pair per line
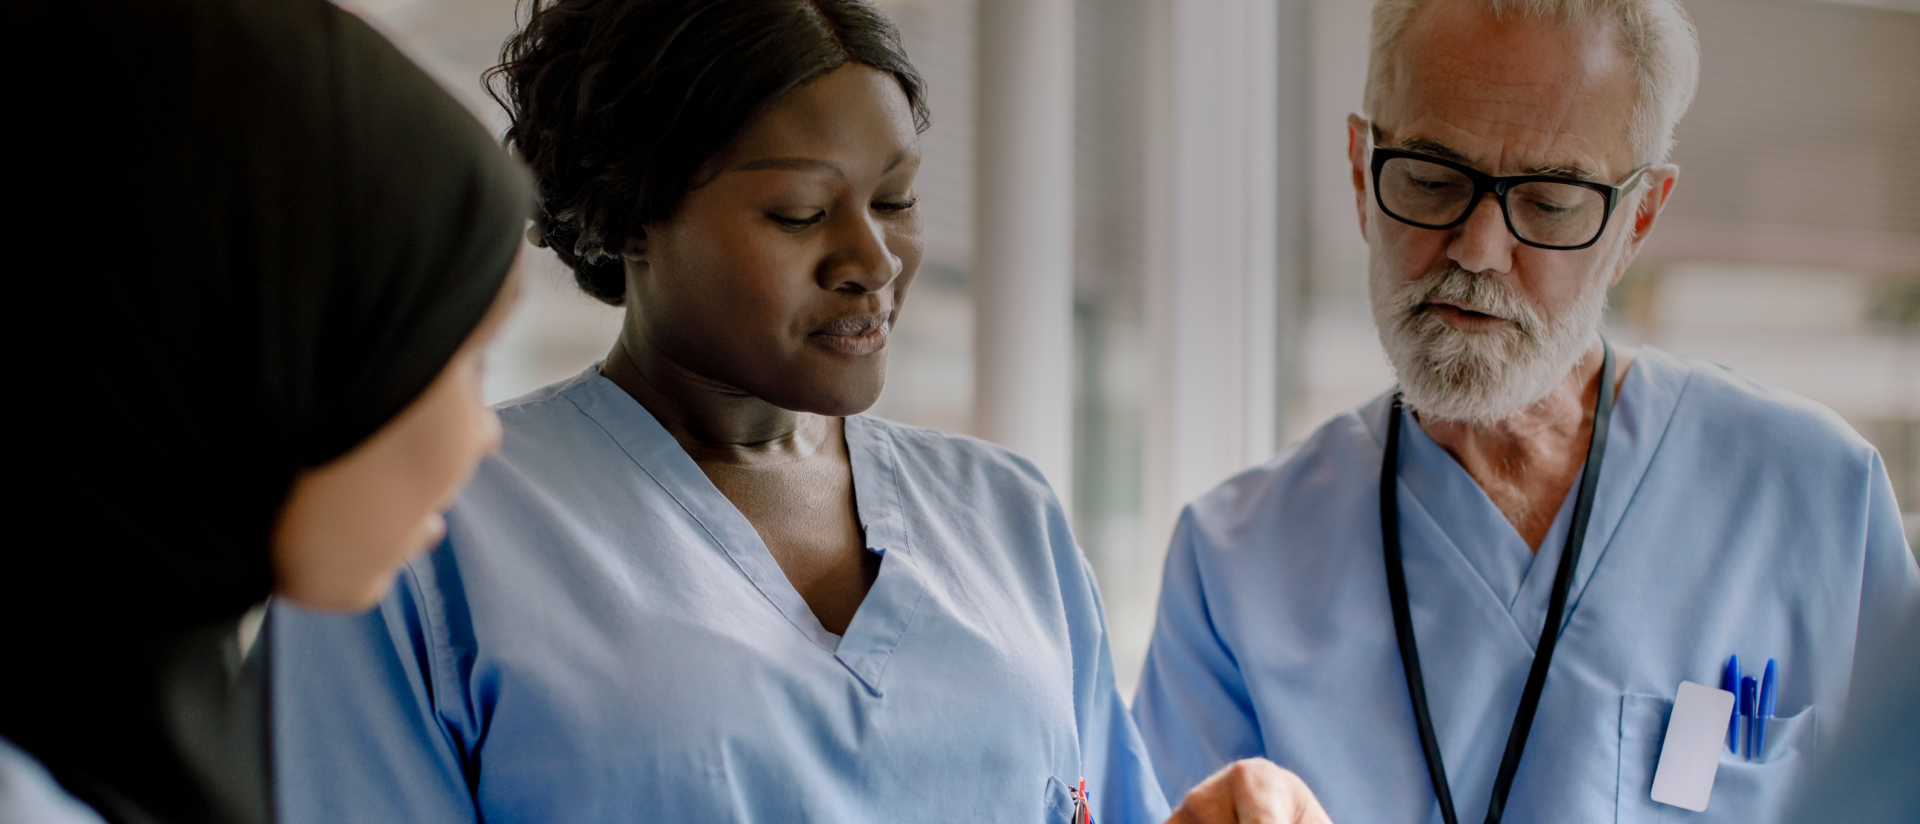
1527, 462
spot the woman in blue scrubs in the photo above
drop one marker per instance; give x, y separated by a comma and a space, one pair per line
264, 258
696, 585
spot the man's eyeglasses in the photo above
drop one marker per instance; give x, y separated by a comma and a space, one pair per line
1541, 210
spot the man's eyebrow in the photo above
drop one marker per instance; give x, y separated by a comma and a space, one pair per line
1426, 145
1437, 149
1570, 172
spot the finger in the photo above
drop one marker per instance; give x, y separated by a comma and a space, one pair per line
1251, 791
1307, 809
1264, 793
1261, 794
1209, 802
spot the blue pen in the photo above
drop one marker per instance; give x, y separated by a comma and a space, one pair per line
1749, 701
1730, 681
1758, 727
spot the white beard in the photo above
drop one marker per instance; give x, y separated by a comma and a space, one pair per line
1480, 378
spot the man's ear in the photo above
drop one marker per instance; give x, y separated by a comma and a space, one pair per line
1646, 210
1655, 199
1357, 134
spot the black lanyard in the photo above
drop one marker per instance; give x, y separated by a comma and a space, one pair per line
1549, 632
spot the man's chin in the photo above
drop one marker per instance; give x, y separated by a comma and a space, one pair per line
1471, 377
1478, 379
1472, 403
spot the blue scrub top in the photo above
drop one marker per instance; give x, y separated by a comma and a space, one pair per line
1731, 519
30, 795
604, 637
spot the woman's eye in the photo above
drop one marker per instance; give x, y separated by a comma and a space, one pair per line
796, 223
890, 207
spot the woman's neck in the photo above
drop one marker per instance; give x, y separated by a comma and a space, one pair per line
712, 421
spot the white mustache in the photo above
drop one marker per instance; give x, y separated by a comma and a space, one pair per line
1479, 293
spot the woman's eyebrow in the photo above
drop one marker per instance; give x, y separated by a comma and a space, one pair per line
808, 164
793, 164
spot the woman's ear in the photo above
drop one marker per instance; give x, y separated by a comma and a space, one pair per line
636, 247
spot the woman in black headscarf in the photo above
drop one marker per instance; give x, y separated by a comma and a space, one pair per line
255, 256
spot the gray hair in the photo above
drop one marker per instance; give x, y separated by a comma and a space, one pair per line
1657, 34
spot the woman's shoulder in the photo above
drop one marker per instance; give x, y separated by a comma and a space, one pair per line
569, 451
968, 508
952, 459
553, 432
557, 399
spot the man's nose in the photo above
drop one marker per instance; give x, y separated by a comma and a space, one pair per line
1483, 243
860, 261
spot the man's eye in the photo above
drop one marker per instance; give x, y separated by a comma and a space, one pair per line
1552, 206
894, 206
796, 223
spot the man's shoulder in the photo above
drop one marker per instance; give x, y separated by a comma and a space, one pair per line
1740, 410
1313, 482
1336, 468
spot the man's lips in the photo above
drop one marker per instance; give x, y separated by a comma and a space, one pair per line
1449, 311
859, 335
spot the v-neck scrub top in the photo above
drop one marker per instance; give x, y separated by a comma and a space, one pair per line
603, 637
1731, 519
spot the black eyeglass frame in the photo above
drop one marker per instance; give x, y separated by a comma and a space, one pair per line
1484, 183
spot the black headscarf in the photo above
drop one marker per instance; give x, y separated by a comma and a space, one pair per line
241, 235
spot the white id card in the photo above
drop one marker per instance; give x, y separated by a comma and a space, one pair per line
1690, 755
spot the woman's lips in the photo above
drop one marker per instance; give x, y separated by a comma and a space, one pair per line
858, 336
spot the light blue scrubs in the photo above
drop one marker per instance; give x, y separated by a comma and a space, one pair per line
1730, 519
30, 795
605, 638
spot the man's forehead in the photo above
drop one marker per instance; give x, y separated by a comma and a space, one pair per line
1513, 94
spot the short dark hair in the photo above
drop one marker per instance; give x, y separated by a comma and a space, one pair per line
615, 104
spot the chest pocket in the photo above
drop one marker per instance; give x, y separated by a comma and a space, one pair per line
1058, 801
1748, 792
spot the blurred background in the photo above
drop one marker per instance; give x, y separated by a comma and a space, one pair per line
1213, 295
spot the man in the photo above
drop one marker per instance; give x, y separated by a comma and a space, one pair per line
1511, 163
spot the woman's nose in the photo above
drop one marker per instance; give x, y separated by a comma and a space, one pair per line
860, 260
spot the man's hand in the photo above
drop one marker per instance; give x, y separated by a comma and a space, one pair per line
1253, 791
